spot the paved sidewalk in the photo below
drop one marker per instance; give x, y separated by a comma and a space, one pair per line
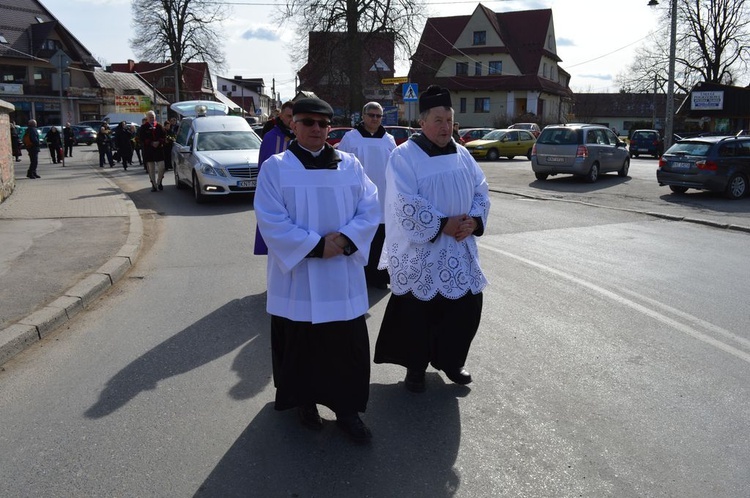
64, 240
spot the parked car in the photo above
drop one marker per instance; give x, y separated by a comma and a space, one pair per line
216, 155
646, 142
400, 133
83, 134
720, 164
506, 143
532, 127
469, 134
583, 150
336, 134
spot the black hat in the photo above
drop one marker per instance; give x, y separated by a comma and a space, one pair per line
434, 96
312, 106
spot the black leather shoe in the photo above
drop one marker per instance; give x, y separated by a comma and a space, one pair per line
310, 417
30, 176
153, 188
354, 428
161, 187
36, 176
414, 381
459, 375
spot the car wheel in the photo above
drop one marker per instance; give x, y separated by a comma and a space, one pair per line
736, 187
197, 192
625, 168
177, 182
593, 174
678, 189
492, 155
541, 176
528, 154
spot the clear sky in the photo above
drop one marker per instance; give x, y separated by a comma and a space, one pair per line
596, 39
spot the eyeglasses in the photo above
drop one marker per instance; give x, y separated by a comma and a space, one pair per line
310, 122
375, 116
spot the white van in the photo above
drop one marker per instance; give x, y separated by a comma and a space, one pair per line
215, 155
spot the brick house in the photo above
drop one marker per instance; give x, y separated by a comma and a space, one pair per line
327, 71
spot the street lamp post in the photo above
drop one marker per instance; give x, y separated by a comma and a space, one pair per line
669, 118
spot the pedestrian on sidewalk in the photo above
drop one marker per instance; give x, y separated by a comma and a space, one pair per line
372, 146
124, 142
69, 139
15, 141
54, 143
436, 204
318, 211
104, 144
153, 137
137, 142
31, 142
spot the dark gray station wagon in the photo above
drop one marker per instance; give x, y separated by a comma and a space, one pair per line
720, 164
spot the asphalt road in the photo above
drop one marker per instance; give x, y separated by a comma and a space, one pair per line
612, 360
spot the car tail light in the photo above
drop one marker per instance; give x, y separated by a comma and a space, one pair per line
707, 165
662, 162
533, 150
582, 151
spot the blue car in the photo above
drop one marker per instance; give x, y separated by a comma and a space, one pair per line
647, 142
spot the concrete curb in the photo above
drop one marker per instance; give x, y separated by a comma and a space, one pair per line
30, 330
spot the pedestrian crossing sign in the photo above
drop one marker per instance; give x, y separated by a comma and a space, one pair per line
411, 92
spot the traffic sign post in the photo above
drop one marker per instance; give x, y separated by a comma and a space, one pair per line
411, 94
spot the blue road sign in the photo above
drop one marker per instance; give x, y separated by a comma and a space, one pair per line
411, 92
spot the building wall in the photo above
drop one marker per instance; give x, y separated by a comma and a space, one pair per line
7, 163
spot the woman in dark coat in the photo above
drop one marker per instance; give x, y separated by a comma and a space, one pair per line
54, 142
124, 143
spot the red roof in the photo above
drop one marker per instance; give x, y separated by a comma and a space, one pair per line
524, 34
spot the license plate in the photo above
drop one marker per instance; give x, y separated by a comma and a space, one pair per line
246, 183
555, 159
681, 165
643, 149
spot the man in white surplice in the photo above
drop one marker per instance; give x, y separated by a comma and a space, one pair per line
372, 146
436, 204
318, 212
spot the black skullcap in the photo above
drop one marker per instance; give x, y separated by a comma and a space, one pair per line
312, 106
434, 96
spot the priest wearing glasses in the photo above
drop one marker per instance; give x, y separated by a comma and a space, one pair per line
318, 212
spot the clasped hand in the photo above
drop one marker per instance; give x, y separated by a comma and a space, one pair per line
460, 226
334, 245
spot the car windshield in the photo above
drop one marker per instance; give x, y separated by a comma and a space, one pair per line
690, 148
559, 136
494, 135
227, 140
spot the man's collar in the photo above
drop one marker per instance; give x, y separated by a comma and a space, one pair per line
431, 149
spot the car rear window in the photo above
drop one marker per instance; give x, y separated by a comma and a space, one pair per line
558, 136
690, 148
645, 135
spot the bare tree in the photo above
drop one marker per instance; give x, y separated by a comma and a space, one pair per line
713, 45
356, 20
178, 30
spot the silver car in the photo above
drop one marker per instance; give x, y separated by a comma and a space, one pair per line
216, 156
579, 149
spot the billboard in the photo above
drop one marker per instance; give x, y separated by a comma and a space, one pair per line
132, 103
707, 101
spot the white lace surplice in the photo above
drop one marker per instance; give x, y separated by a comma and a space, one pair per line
420, 190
